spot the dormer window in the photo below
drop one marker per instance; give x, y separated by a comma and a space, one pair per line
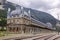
17, 15
12, 16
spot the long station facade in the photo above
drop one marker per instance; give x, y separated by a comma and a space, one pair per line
20, 21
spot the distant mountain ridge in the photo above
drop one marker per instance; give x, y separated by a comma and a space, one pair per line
38, 15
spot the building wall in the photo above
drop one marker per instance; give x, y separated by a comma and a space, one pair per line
24, 26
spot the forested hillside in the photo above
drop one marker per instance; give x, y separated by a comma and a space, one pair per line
3, 17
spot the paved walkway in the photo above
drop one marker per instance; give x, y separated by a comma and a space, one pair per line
17, 35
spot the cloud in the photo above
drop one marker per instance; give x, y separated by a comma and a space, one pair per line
49, 6
55, 12
25, 3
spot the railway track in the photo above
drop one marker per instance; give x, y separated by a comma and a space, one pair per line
34, 37
57, 38
39, 37
51, 37
20, 38
44, 37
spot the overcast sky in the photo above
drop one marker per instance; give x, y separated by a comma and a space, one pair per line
50, 6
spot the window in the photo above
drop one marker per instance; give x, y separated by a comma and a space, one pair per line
17, 21
17, 15
13, 15
8, 21
14, 21
11, 21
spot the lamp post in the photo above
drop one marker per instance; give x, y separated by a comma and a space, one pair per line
58, 25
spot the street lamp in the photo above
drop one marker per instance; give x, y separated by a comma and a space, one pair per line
58, 25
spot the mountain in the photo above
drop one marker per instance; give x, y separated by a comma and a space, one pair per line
42, 16
38, 15
3, 16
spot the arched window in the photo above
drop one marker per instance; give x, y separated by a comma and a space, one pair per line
11, 21
8, 21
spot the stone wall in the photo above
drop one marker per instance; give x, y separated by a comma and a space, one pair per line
24, 26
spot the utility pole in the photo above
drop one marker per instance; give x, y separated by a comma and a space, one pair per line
58, 16
58, 26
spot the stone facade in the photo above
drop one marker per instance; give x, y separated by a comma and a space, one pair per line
23, 25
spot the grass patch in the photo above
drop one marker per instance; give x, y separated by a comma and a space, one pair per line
2, 34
